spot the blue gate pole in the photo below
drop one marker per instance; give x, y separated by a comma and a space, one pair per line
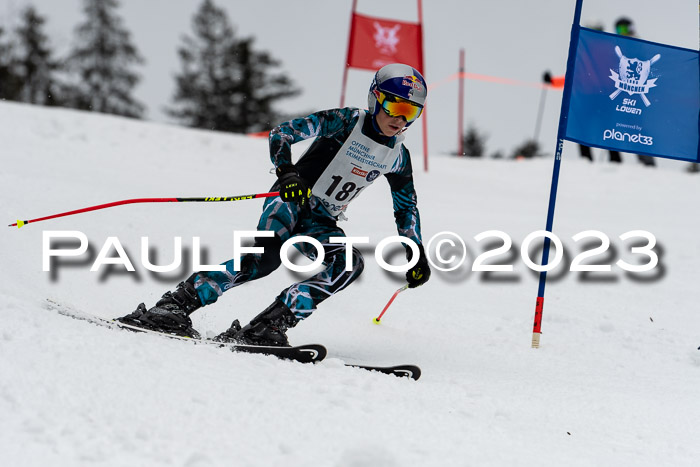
561, 132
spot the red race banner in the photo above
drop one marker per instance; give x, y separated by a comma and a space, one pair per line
377, 42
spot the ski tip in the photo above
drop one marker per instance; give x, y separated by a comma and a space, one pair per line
376, 321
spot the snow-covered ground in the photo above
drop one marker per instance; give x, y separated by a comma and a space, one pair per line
615, 381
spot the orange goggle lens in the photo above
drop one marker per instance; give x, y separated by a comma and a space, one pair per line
397, 107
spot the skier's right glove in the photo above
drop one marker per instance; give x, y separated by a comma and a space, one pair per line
420, 273
292, 187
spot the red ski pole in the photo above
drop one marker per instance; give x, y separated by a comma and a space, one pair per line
398, 291
211, 199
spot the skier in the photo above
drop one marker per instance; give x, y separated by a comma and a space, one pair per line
352, 148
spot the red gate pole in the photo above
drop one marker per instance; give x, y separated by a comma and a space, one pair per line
347, 55
425, 116
460, 111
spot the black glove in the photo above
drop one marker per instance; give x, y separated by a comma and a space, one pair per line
420, 273
292, 187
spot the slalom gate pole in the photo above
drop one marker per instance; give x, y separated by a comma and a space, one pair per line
561, 132
212, 199
398, 291
540, 112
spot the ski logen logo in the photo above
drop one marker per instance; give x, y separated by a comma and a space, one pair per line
386, 39
633, 76
372, 176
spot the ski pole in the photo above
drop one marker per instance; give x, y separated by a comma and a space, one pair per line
211, 199
398, 291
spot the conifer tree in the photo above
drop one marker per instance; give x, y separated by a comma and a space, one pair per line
224, 84
10, 83
473, 143
103, 60
35, 65
527, 150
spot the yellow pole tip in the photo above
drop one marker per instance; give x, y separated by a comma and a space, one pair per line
19, 223
375, 321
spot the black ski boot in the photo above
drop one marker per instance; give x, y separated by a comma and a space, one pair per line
229, 335
171, 313
268, 328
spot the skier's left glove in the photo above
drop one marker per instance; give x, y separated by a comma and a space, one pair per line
420, 273
292, 187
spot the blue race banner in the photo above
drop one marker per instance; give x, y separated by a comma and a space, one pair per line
635, 96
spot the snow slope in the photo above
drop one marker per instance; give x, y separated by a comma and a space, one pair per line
614, 383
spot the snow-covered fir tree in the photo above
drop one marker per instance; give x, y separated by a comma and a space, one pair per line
35, 66
473, 143
10, 83
224, 84
527, 150
103, 58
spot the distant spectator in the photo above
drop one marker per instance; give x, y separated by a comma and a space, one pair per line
558, 82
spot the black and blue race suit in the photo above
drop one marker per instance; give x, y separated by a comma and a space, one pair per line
347, 155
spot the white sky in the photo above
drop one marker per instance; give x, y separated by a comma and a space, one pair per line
504, 38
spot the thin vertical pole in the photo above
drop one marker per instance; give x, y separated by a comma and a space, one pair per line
695, 167
422, 64
538, 122
351, 35
561, 132
460, 111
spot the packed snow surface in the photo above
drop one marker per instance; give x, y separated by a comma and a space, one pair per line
615, 381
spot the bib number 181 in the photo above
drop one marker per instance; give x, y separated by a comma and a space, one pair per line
347, 189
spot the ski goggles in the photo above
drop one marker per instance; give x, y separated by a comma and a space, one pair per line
397, 107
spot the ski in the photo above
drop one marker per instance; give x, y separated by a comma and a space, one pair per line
308, 353
401, 371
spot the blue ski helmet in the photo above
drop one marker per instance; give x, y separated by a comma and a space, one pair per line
397, 80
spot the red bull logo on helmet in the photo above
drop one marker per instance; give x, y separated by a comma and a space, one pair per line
412, 81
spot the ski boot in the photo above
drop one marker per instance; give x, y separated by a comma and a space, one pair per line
268, 328
171, 313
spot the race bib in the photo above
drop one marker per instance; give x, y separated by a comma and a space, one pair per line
358, 163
